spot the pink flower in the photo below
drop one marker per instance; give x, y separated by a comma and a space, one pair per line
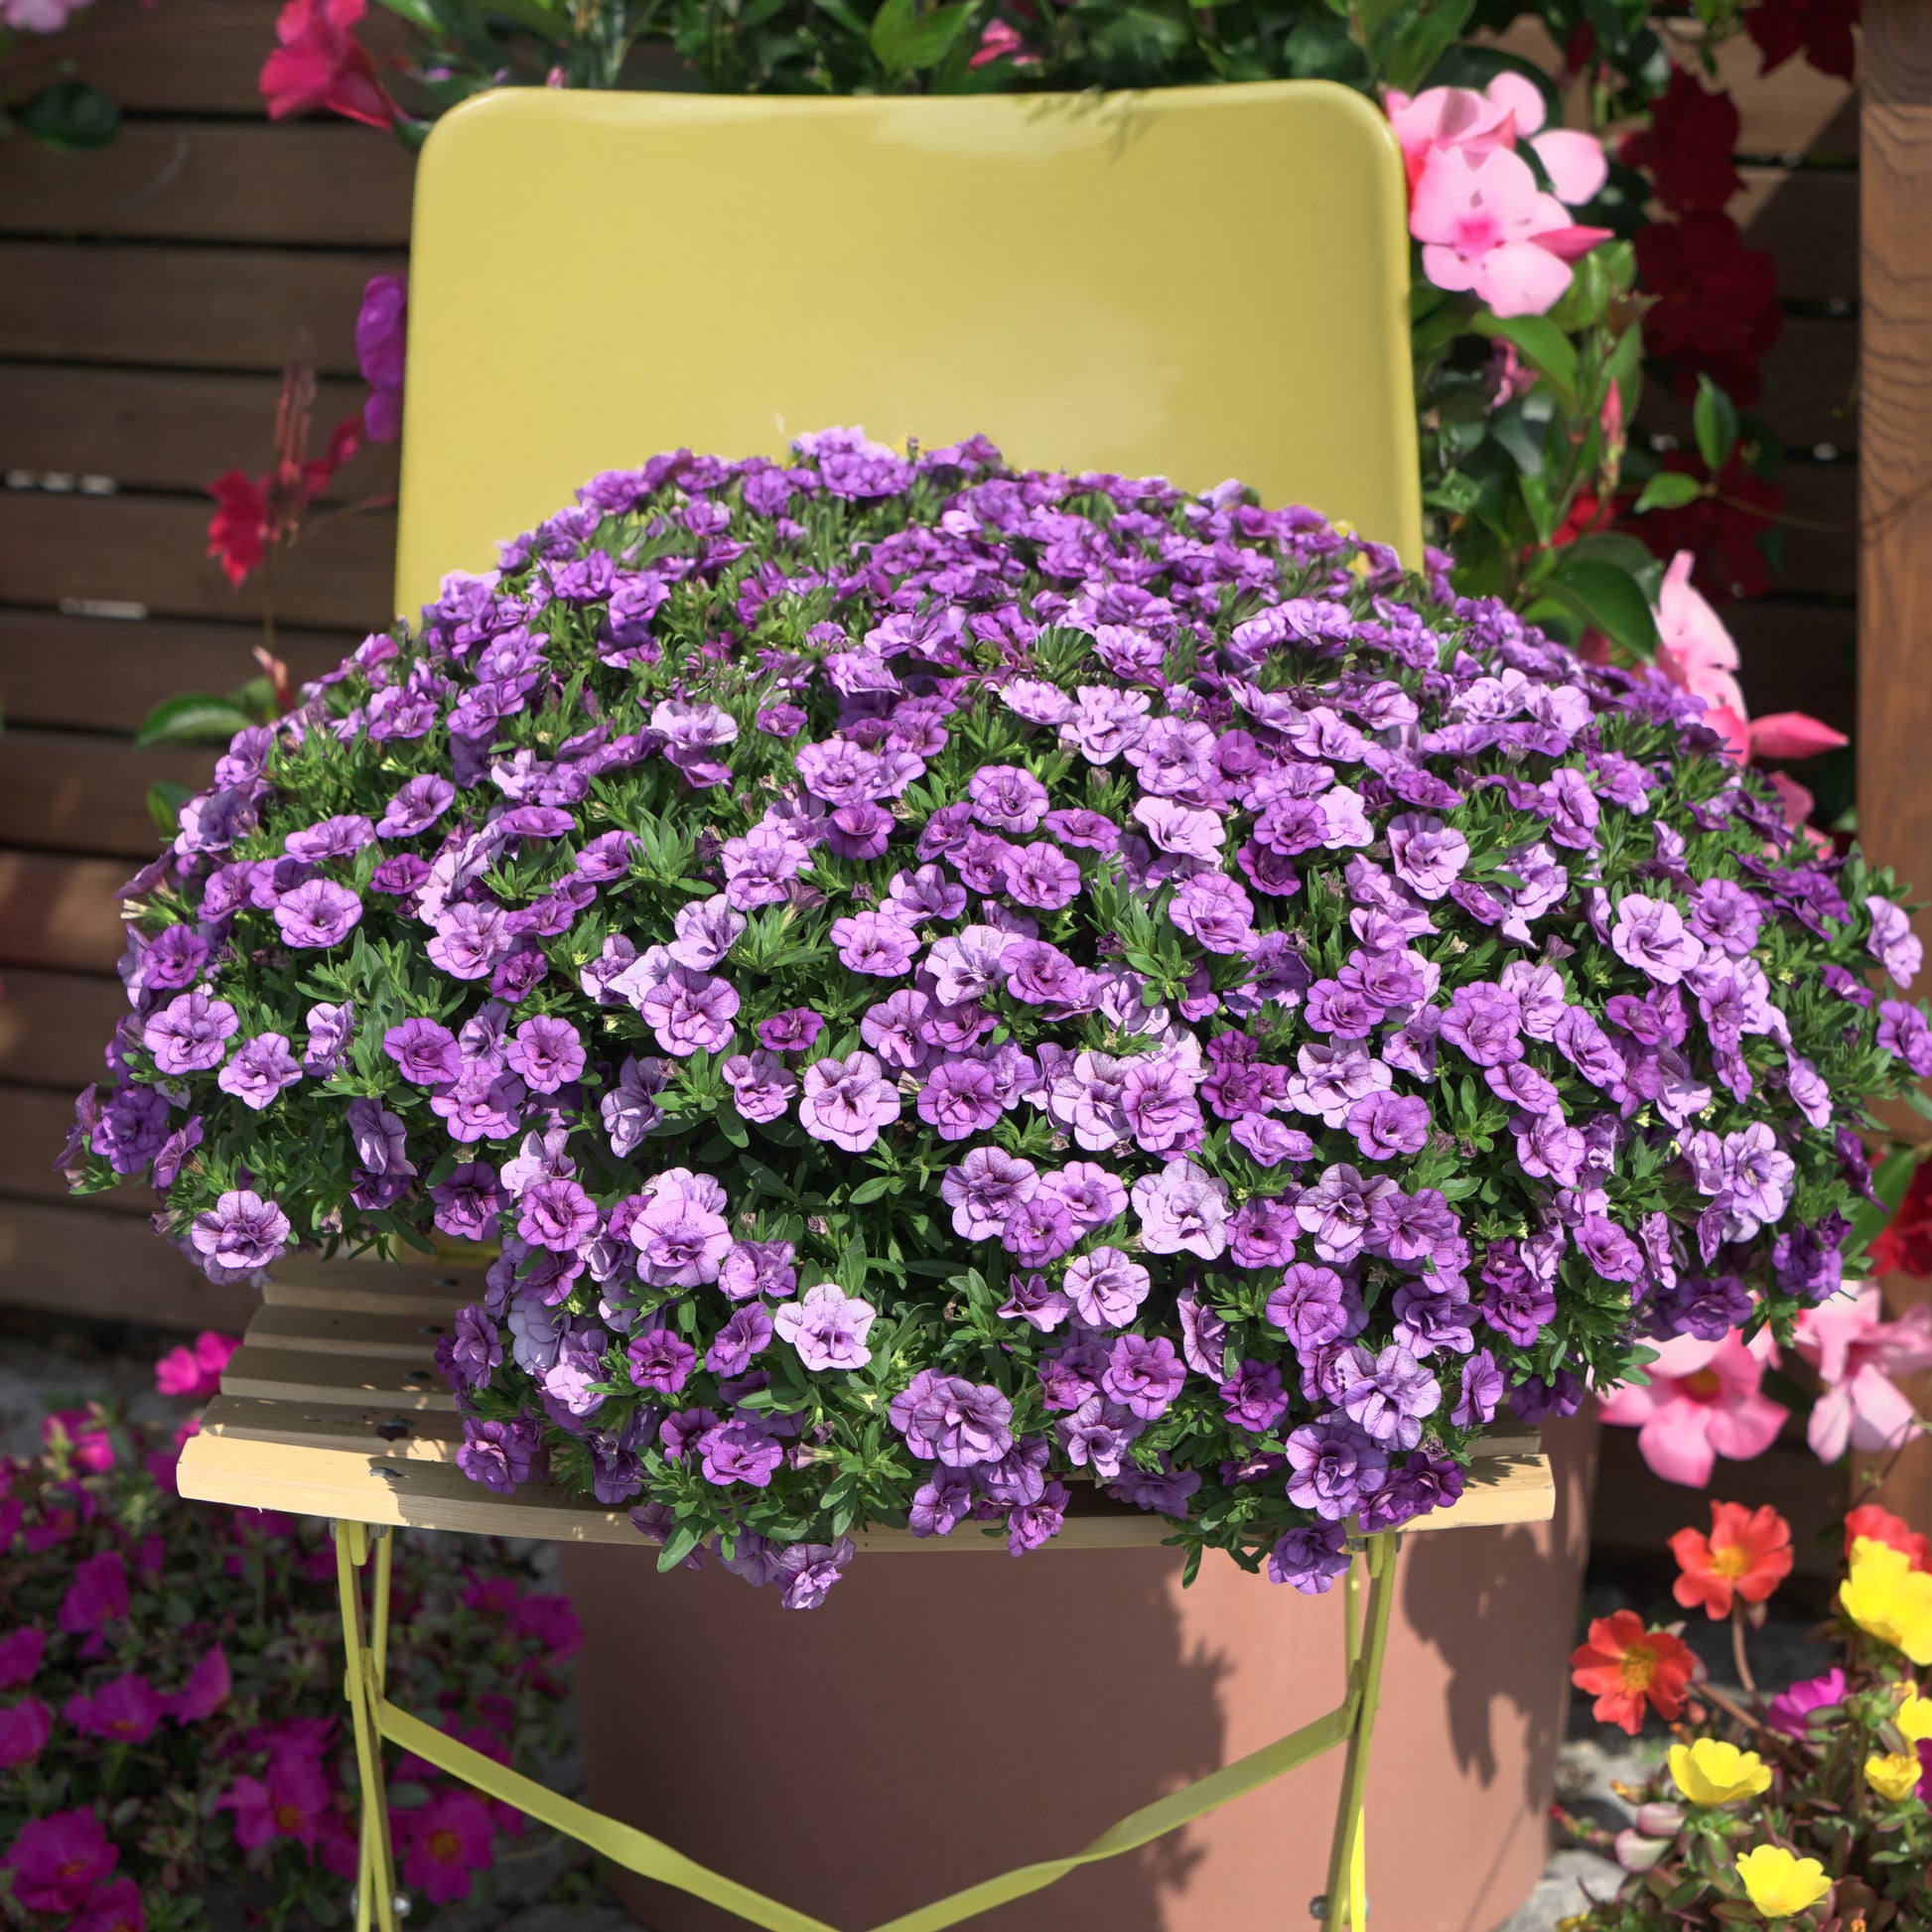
124, 1712
1704, 1401
195, 1373
111, 1908
55, 1861
21, 1652
24, 1728
290, 1801
443, 1842
1793, 734
206, 1691
321, 63
1510, 106
1855, 1352
83, 1435
96, 1595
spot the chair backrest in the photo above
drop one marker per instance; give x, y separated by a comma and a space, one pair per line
1200, 283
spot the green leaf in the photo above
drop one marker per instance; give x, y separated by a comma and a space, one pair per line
869, 1190
1667, 489
166, 798
1889, 1180
1542, 344
1713, 416
677, 1546
1419, 41
194, 718
72, 118
1606, 595
418, 16
907, 40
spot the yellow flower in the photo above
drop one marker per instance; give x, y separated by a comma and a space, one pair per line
1711, 1772
1894, 1776
1914, 1718
1780, 1882
1889, 1599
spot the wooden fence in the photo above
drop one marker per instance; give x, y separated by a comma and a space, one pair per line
149, 294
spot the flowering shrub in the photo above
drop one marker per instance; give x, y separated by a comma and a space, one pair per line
171, 1690
947, 981
1806, 1809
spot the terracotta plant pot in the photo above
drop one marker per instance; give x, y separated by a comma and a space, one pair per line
945, 1716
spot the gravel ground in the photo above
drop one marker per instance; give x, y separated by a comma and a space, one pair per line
549, 1888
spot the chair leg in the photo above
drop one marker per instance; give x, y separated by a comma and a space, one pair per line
376, 1877
1345, 1904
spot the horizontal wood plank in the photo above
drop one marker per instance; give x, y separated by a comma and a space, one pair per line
78, 791
151, 551
154, 429
1808, 220
62, 914
329, 182
1811, 380
108, 673
75, 302
79, 1261
55, 1026
1797, 657
1816, 529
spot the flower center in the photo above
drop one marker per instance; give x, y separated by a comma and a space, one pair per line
1704, 1384
1638, 1668
443, 1847
288, 1818
1732, 1560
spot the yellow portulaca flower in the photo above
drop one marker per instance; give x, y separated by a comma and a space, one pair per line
1892, 1775
1888, 1600
1779, 1883
1914, 1718
1711, 1772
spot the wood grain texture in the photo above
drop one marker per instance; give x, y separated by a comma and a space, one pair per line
1895, 461
1797, 657
84, 1262
154, 429
54, 1026
150, 550
61, 913
78, 791
1808, 219
108, 674
327, 181
77, 302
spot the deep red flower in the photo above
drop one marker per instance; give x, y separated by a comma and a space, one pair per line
1687, 148
1821, 30
237, 533
1904, 1246
1721, 530
1717, 302
1626, 1667
1747, 1554
321, 63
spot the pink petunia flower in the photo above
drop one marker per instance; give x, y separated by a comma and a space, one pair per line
1857, 1353
193, 1374
1705, 1400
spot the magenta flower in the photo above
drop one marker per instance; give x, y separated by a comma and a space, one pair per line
827, 1327
124, 1711
206, 1691
258, 1070
24, 1730
1793, 1706
381, 334
56, 1860
290, 1800
21, 1652
846, 1102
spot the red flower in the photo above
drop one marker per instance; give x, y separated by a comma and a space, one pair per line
1819, 29
1719, 530
1747, 1554
1688, 145
1717, 302
321, 63
1626, 1667
1904, 1245
1882, 1526
239, 531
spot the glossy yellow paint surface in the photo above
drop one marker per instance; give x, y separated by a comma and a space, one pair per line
1201, 281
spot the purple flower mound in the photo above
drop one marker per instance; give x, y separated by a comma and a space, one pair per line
951, 986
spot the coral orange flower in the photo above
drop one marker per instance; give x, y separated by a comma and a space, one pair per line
1746, 1556
1625, 1667
1882, 1526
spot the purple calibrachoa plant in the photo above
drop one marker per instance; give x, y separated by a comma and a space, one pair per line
944, 980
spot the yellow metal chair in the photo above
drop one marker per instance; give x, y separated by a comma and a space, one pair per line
1200, 283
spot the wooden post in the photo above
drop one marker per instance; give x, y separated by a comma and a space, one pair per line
1895, 740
